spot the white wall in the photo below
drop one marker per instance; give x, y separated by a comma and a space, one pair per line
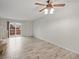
61, 28
3, 29
26, 27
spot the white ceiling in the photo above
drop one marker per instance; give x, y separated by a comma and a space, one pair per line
23, 9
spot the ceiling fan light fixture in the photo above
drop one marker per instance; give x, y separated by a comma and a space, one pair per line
49, 7
46, 11
52, 10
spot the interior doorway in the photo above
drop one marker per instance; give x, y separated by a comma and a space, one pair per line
15, 29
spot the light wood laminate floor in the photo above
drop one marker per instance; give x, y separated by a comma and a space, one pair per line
32, 48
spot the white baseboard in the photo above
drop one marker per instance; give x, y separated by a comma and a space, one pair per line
57, 44
27, 36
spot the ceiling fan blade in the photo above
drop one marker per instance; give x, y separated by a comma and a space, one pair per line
42, 9
59, 5
40, 4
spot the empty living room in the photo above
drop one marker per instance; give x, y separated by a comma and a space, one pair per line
39, 29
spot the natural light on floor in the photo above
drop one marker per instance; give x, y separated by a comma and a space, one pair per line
14, 44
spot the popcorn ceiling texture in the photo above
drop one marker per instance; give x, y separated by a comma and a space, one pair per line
32, 48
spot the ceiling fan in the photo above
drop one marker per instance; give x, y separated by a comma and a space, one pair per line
49, 5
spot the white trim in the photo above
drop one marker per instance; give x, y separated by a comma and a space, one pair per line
56, 44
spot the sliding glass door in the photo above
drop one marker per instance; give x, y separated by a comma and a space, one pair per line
15, 29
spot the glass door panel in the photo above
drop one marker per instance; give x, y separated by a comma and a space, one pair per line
15, 29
